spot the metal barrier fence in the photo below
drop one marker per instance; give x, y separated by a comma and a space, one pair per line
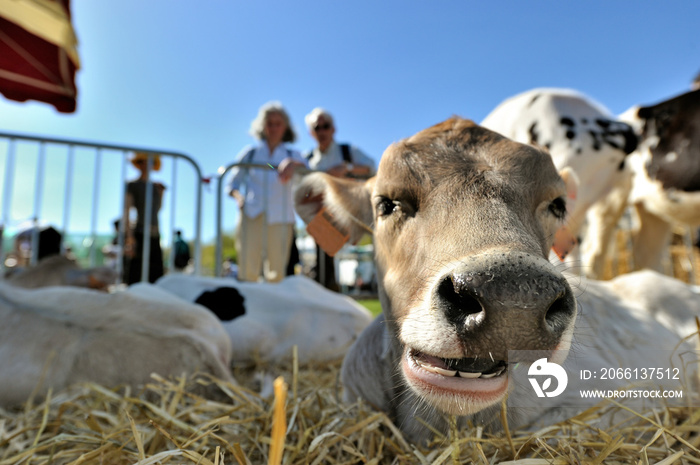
16, 149
104, 191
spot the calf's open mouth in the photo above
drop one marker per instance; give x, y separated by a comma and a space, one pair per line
481, 377
456, 386
468, 368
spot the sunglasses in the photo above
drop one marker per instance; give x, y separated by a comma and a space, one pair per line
322, 127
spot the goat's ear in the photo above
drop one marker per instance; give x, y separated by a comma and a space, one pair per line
348, 201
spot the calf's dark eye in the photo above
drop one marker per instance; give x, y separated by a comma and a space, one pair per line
385, 206
558, 208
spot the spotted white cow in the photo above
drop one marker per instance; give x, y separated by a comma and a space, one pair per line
265, 321
53, 337
583, 135
463, 220
666, 167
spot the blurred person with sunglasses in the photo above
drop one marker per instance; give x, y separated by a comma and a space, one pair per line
339, 160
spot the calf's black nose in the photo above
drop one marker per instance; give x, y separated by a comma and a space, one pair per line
516, 296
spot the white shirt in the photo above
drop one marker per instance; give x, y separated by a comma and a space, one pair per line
261, 187
333, 156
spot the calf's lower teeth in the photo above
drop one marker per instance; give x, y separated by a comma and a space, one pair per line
461, 374
438, 370
444, 372
494, 374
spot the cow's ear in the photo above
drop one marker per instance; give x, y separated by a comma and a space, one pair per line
347, 201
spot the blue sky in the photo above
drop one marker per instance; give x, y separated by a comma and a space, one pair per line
190, 76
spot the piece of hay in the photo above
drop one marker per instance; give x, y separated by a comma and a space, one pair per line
279, 423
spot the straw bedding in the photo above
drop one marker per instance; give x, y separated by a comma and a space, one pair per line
301, 421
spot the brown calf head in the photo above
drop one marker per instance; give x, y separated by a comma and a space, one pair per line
463, 221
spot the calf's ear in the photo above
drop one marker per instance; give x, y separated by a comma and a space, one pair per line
347, 201
564, 240
571, 181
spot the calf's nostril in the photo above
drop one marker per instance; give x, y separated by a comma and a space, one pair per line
559, 313
461, 307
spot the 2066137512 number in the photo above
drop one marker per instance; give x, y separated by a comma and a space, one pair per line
640, 373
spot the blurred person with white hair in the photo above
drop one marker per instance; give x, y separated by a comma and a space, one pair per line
264, 195
339, 160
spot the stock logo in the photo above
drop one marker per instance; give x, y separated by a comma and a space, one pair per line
542, 369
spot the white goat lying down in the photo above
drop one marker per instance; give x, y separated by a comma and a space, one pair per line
463, 220
53, 337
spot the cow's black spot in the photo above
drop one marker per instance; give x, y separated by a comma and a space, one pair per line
621, 166
570, 134
603, 123
533, 133
631, 140
225, 302
611, 131
567, 121
612, 144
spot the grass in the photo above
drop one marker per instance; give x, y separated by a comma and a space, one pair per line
372, 305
